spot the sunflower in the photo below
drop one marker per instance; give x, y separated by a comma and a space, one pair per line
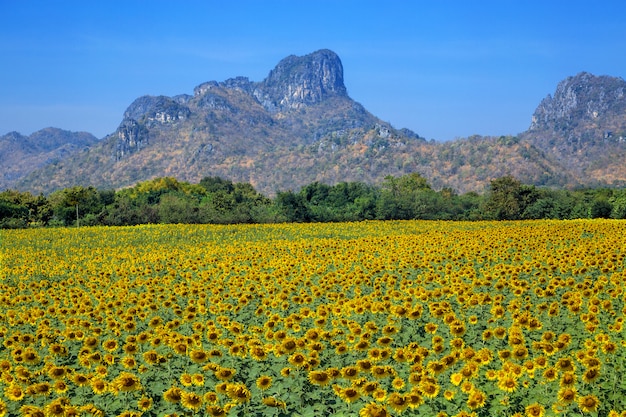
129, 362
350, 372
449, 394
180, 348
127, 382
467, 387
341, 349
591, 375
56, 408
588, 403
520, 353
504, 354
487, 334
398, 383
30, 356
380, 394
591, 362
568, 379
429, 389
384, 341
151, 357
198, 356
264, 382
456, 378
436, 367
430, 328
210, 397
31, 411
58, 349
298, 360
3, 409
362, 345
215, 353
215, 411
60, 387
14, 392
535, 410
92, 409
567, 394
110, 345
80, 379
373, 410
364, 365
476, 399
499, 332
172, 395
131, 348
491, 374
379, 372
457, 330
225, 374
57, 372
349, 394
550, 374
238, 392
369, 387
609, 347
191, 400
144, 403
99, 386
320, 378
186, 379
565, 364
258, 353
397, 402
507, 383
273, 402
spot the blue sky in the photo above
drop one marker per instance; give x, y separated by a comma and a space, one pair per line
444, 69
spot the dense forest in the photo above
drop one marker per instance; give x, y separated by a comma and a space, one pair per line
216, 200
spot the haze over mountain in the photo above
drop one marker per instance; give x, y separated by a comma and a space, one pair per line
299, 125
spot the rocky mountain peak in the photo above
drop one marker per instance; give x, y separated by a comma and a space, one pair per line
300, 81
581, 98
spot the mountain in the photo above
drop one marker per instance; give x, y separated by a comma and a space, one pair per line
299, 125
22, 154
583, 128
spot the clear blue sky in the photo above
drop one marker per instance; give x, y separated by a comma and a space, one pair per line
444, 69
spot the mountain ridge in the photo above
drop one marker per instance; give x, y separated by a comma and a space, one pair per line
299, 125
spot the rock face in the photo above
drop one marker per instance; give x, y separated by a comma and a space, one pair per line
294, 84
301, 81
270, 133
583, 127
20, 155
299, 125
581, 100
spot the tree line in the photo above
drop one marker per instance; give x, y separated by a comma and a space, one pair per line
221, 201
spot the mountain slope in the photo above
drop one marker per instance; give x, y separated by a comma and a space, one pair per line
299, 125
583, 128
22, 154
279, 133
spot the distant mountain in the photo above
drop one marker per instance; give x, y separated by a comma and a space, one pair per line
20, 155
299, 125
583, 128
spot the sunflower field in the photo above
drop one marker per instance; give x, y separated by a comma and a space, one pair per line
364, 319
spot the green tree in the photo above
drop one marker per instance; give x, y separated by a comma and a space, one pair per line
407, 197
508, 198
70, 205
292, 206
22, 209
